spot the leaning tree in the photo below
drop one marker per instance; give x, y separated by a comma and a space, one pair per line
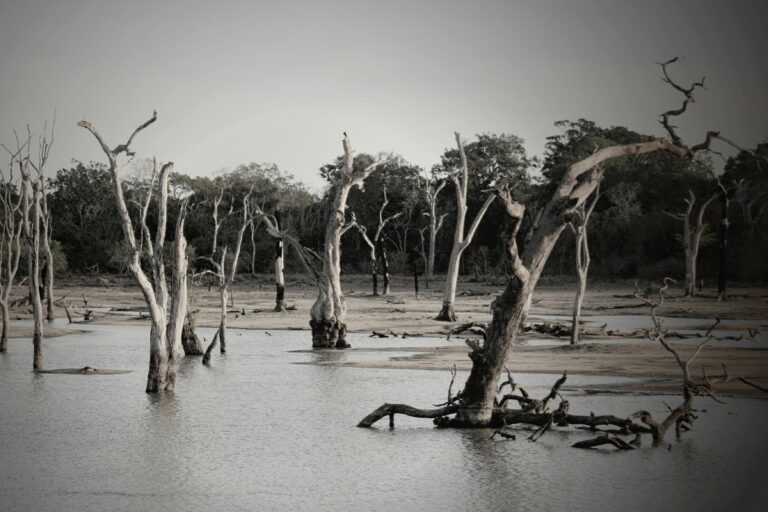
167, 308
477, 405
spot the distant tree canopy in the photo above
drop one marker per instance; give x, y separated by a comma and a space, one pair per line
631, 233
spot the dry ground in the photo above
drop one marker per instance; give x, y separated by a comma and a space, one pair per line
402, 312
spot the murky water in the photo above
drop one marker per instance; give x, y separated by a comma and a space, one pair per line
258, 432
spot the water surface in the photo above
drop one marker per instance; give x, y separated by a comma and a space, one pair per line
258, 432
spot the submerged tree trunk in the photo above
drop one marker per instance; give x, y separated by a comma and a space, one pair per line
189, 339
4, 334
167, 311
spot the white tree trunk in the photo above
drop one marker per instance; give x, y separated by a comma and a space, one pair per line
165, 330
328, 313
460, 240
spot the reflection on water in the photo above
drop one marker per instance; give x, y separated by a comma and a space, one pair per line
258, 432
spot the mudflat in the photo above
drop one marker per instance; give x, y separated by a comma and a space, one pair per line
741, 345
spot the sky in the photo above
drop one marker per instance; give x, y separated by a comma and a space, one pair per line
237, 82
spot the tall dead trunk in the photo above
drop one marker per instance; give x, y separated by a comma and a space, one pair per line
227, 277
4, 334
279, 271
580, 230
11, 228
692, 232
431, 192
376, 246
384, 266
167, 310
31, 211
48, 255
460, 240
725, 225
328, 313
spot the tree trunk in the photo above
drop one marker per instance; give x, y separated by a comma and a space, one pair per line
5, 318
722, 275
460, 241
384, 267
374, 277
447, 313
189, 340
577, 303
279, 275
224, 297
162, 373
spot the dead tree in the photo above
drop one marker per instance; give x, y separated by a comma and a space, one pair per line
328, 313
692, 232
31, 170
725, 227
279, 268
579, 226
435, 223
538, 412
460, 240
10, 242
477, 406
227, 276
48, 268
167, 310
377, 243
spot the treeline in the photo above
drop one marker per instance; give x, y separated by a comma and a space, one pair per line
633, 232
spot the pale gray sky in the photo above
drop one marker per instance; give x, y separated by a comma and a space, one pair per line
279, 81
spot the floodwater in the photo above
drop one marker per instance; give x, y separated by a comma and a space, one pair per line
257, 431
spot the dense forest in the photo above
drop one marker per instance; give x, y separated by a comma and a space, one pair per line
636, 228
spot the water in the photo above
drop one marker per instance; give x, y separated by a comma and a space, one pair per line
259, 432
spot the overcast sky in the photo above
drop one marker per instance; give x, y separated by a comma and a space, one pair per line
279, 81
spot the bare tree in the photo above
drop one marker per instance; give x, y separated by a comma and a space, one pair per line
692, 232
328, 313
31, 170
376, 243
227, 276
48, 267
10, 242
431, 191
167, 310
460, 240
279, 269
579, 225
476, 404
